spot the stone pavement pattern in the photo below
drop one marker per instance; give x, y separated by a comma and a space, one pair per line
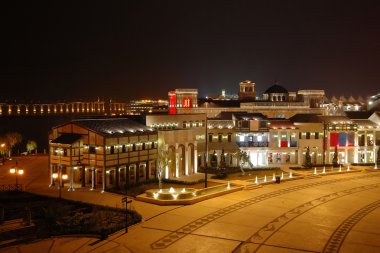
337, 213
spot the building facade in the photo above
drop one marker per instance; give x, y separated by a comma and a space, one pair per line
105, 153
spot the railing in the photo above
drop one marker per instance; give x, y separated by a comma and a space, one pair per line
253, 144
10, 187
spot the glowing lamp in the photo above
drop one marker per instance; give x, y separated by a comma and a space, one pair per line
13, 171
20, 172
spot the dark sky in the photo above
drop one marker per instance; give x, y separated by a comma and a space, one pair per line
135, 49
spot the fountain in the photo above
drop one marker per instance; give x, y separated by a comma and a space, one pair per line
256, 181
228, 185
274, 177
171, 193
324, 170
340, 168
265, 178
315, 171
290, 175
282, 175
348, 167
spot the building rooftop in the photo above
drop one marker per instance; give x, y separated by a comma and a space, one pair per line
306, 118
112, 126
276, 89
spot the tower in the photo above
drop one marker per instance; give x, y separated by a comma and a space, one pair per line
247, 90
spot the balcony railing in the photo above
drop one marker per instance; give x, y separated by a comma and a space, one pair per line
253, 144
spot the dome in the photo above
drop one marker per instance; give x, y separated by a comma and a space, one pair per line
276, 89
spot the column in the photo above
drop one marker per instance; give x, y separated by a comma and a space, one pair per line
71, 187
195, 158
346, 154
104, 177
117, 177
83, 177
187, 159
51, 176
93, 179
288, 137
176, 161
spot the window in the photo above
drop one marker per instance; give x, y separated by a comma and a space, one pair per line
307, 135
316, 135
299, 135
92, 150
143, 146
132, 172
210, 138
65, 152
134, 147
112, 150
123, 149
112, 175
184, 124
229, 137
220, 137
141, 170
122, 174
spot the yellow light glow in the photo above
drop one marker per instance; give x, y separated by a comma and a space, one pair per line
55, 175
20, 172
13, 171
64, 176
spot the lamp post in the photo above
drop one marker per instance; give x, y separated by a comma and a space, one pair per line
206, 158
17, 172
59, 175
3, 151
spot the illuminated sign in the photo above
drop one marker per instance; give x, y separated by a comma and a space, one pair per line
187, 102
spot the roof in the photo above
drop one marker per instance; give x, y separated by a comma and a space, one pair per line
306, 118
67, 138
358, 115
218, 103
276, 89
249, 116
281, 124
113, 126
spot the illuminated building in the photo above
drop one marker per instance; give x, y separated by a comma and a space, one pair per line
106, 152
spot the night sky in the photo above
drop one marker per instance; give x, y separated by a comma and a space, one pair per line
134, 49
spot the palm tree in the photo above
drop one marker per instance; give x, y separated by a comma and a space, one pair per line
30, 146
162, 161
12, 139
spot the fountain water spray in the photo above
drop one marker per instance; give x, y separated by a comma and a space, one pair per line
171, 190
228, 185
348, 167
291, 175
256, 181
274, 177
183, 190
340, 168
315, 171
282, 175
324, 170
265, 178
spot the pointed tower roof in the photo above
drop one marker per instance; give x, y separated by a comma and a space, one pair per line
351, 99
342, 99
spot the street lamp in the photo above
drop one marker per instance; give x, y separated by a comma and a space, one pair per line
59, 175
17, 172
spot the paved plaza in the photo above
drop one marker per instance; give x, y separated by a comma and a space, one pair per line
337, 213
